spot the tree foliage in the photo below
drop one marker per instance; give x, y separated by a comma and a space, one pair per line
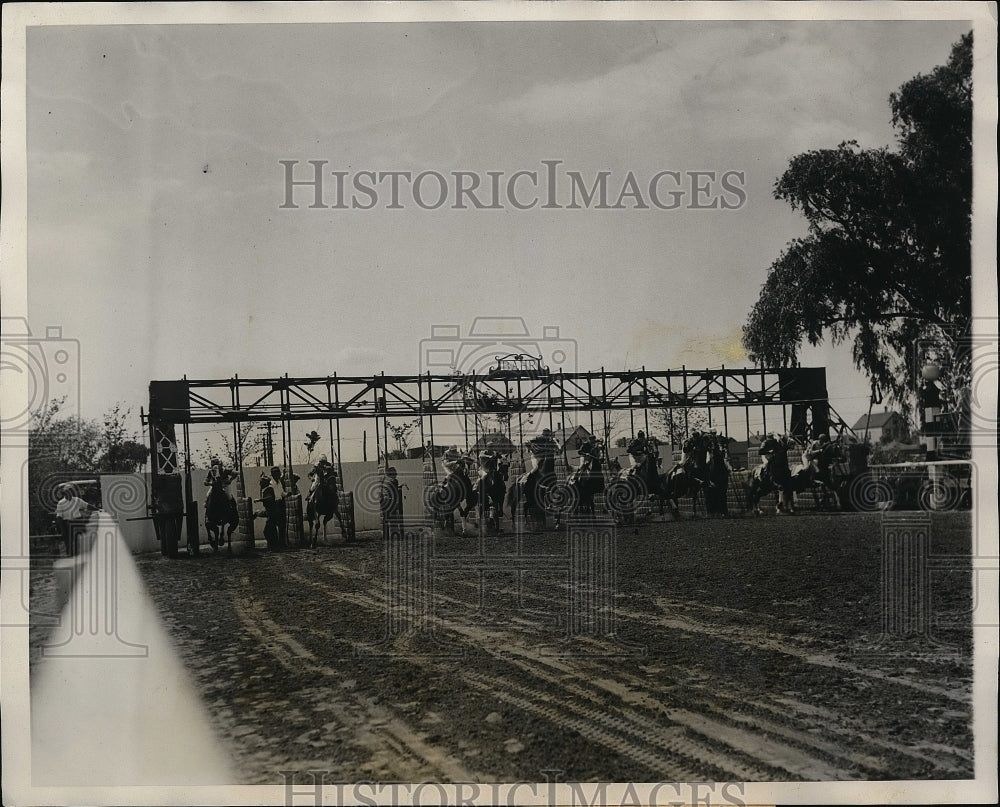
887, 259
248, 443
60, 446
109, 445
401, 434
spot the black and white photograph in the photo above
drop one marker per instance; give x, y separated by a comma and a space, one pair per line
499, 403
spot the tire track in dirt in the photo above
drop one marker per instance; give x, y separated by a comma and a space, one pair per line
825, 758
396, 746
621, 732
756, 639
832, 749
626, 733
852, 729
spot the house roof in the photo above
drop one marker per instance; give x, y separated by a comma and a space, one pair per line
573, 436
494, 441
876, 421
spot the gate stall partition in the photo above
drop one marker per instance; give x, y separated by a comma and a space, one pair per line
517, 387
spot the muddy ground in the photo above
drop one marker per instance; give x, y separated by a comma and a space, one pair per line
744, 649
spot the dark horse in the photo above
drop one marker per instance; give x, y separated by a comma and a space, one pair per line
528, 495
582, 484
717, 487
532, 492
454, 492
323, 502
634, 484
220, 512
490, 489
774, 475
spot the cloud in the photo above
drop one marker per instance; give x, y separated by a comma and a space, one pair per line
729, 83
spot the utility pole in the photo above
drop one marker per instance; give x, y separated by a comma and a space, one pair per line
269, 446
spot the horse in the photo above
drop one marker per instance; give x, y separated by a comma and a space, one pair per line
634, 484
588, 479
489, 491
717, 477
220, 512
768, 477
454, 492
816, 472
323, 502
577, 493
528, 494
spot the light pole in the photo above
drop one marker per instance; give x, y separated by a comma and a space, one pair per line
930, 407
929, 401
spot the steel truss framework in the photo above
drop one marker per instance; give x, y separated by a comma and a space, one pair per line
237, 400
517, 385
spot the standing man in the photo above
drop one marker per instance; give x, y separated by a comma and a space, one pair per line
390, 500
278, 486
271, 532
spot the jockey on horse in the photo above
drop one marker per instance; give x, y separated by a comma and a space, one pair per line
530, 489
637, 482
695, 456
490, 489
220, 505
774, 473
322, 500
588, 477
316, 476
454, 492
693, 474
717, 470
819, 457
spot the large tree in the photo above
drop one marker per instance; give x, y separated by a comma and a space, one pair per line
887, 259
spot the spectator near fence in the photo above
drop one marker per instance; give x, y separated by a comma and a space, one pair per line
70, 512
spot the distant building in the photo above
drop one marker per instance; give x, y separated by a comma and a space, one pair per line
572, 437
494, 441
883, 427
429, 450
740, 453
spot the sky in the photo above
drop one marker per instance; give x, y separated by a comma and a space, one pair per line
157, 237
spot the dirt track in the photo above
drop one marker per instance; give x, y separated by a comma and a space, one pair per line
746, 649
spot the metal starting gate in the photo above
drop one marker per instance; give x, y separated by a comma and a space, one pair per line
796, 398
